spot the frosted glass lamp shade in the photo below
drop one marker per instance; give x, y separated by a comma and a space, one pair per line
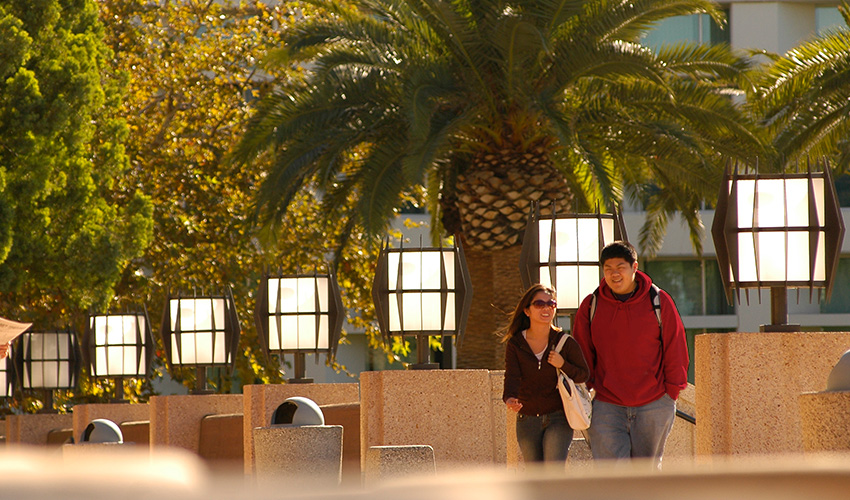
562, 251
7, 372
119, 345
200, 330
47, 360
777, 230
422, 291
300, 313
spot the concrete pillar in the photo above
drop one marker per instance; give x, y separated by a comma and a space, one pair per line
34, 428
176, 420
457, 412
748, 387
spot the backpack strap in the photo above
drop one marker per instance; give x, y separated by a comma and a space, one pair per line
656, 301
593, 298
653, 296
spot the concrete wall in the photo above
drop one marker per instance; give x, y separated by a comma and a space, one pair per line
459, 413
748, 385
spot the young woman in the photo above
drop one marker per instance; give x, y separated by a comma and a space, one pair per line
531, 376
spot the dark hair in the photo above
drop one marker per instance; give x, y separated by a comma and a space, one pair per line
518, 319
618, 250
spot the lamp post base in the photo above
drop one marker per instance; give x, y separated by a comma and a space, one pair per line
425, 366
779, 328
300, 381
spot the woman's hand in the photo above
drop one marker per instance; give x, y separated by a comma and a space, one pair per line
555, 359
513, 404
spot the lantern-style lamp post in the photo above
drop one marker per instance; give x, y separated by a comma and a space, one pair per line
47, 361
777, 231
119, 345
562, 251
299, 314
422, 292
200, 331
7, 376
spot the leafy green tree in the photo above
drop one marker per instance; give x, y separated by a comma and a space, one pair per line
477, 108
65, 236
193, 73
803, 99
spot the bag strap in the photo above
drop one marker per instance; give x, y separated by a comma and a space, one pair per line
561, 342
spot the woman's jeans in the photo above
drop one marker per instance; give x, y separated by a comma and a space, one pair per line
621, 432
544, 437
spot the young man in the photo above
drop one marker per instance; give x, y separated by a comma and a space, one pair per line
638, 359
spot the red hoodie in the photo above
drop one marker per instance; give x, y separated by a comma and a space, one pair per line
629, 364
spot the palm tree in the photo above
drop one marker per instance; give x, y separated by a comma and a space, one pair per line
804, 98
481, 106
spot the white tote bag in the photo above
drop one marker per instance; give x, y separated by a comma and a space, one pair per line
576, 398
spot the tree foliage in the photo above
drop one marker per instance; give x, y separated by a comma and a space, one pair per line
480, 107
427, 89
66, 236
194, 71
803, 99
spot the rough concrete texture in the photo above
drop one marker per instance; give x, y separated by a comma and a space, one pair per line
450, 410
261, 401
221, 441
298, 456
825, 418
392, 462
348, 416
176, 420
748, 386
83, 414
138, 432
682, 442
34, 428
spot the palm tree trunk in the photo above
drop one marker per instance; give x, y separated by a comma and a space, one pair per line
496, 287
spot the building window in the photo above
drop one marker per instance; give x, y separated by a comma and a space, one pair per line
840, 300
827, 18
699, 28
694, 284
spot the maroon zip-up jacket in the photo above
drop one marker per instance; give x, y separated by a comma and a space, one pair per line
534, 383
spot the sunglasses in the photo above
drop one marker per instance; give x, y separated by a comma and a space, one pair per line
540, 304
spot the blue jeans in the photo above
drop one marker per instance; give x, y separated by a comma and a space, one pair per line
622, 432
544, 438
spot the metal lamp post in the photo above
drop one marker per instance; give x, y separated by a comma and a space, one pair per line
200, 332
47, 361
777, 231
118, 346
562, 251
422, 292
299, 314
